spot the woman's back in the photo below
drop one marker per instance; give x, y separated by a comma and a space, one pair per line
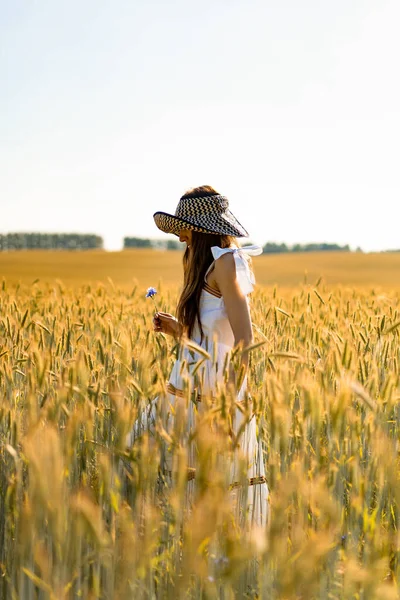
218, 337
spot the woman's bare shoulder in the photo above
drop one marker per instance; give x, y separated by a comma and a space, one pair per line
224, 267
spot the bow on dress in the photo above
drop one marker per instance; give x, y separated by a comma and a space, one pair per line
244, 275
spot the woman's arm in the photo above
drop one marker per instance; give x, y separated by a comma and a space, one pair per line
224, 275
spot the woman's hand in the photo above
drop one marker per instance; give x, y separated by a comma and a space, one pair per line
166, 323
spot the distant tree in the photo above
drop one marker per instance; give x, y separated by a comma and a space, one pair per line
160, 244
272, 248
134, 242
50, 241
323, 247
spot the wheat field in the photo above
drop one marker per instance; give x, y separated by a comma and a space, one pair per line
149, 267
82, 516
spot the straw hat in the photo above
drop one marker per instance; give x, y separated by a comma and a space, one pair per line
207, 214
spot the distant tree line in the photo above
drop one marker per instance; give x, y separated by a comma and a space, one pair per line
268, 248
134, 242
272, 248
50, 241
86, 241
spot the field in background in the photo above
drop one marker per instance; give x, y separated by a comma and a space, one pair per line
148, 267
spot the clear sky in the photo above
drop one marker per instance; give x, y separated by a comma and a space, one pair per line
110, 110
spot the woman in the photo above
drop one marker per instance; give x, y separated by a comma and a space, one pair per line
213, 312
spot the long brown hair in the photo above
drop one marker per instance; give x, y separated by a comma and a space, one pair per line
196, 261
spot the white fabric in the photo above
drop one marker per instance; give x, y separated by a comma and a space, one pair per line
218, 341
243, 273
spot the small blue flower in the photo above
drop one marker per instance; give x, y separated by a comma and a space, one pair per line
151, 292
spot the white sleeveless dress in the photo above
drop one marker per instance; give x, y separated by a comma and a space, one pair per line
218, 341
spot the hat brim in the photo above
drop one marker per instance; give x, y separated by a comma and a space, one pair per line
224, 224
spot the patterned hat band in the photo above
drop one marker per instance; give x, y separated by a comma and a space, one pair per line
196, 206
208, 214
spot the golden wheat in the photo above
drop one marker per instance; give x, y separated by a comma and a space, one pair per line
147, 267
81, 516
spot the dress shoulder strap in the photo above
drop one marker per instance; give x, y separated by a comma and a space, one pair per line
244, 275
